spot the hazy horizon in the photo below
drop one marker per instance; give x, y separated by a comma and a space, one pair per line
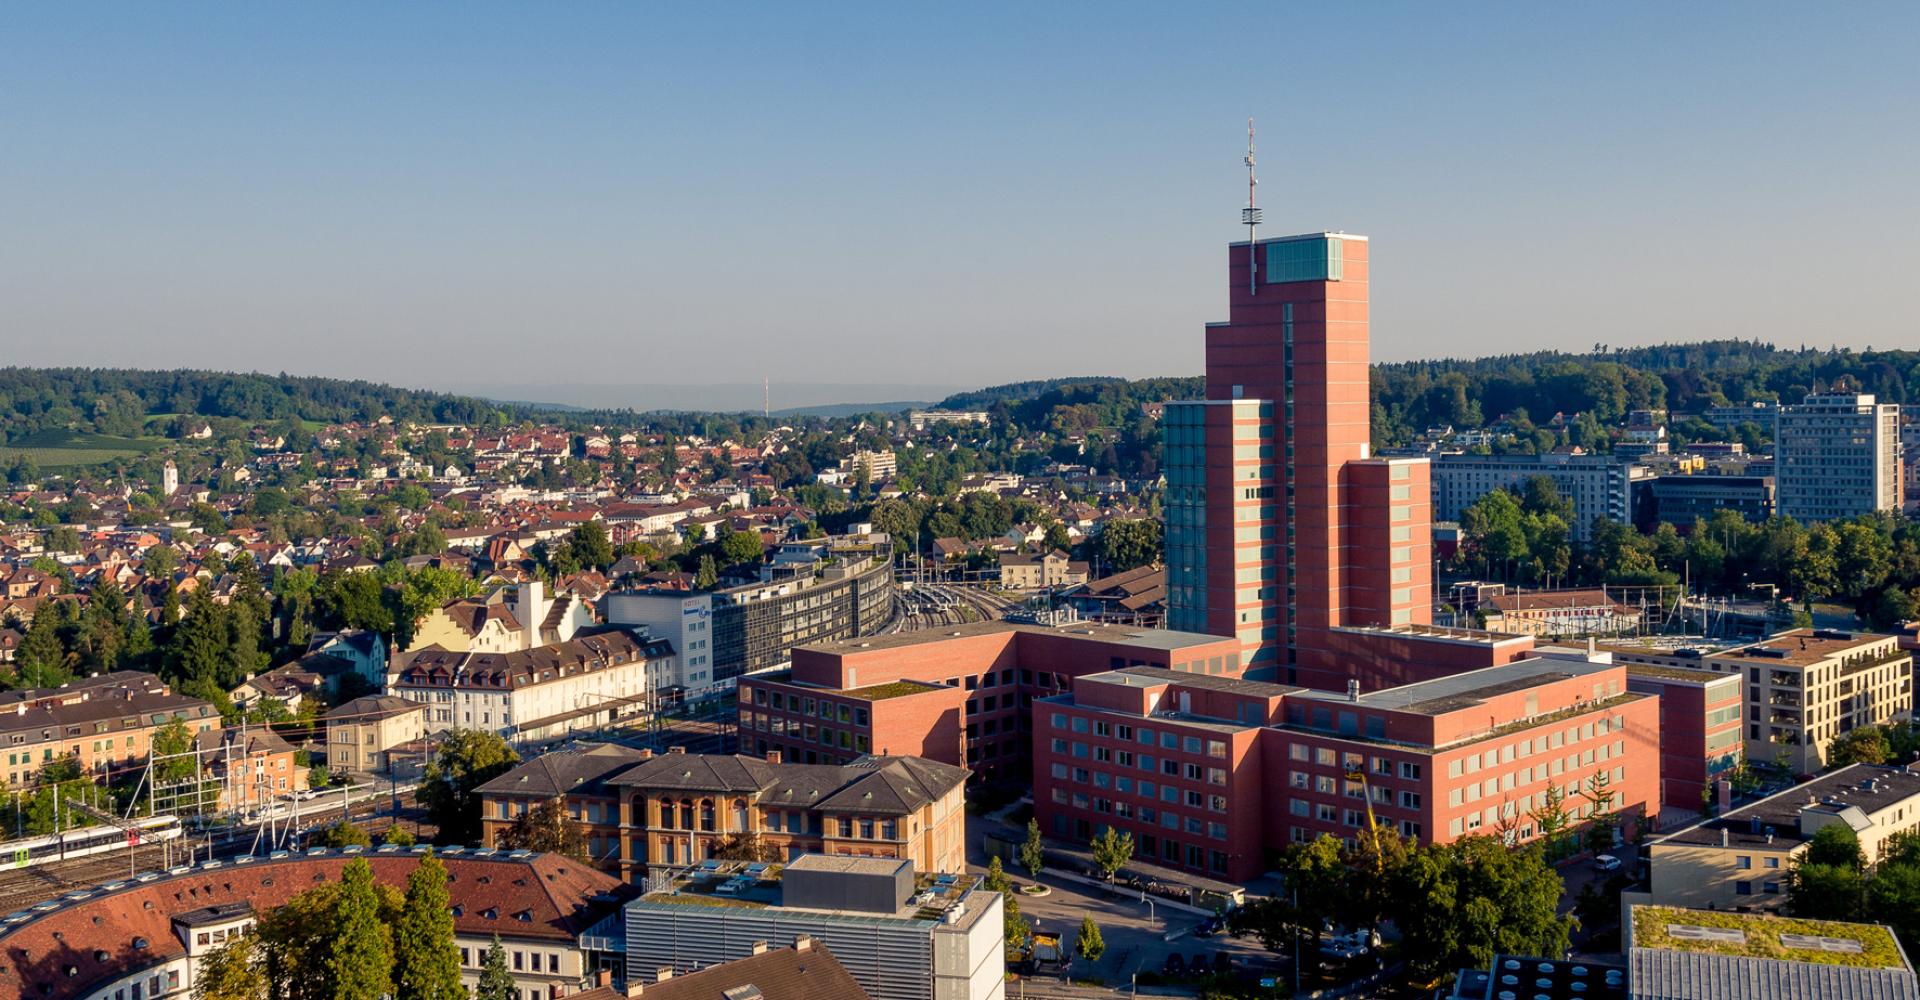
866, 196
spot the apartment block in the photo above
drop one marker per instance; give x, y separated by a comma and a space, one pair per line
961, 695
599, 675
1807, 686
362, 733
103, 722
1836, 455
1216, 775
1743, 858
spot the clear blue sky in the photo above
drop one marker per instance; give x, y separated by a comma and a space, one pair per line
463, 194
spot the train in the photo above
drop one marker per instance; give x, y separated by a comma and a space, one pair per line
78, 843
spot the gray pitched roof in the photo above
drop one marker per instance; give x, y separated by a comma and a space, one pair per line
1660, 974
882, 785
562, 771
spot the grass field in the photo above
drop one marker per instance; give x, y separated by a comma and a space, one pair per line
53, 449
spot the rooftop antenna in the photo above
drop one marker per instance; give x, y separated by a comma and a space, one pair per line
1250, 217
766, 398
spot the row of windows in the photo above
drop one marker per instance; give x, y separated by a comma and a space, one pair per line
1146, 737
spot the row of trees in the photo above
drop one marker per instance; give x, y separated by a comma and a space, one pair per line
1455, 904
1871, 561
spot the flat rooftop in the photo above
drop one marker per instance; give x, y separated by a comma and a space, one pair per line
1149, 638
1802, 647
1437, 633
1142, 676
740, 885
1779, 814
1464, 690
1756, 935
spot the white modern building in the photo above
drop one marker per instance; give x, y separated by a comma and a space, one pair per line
1598, 485
902, 936
1837, 454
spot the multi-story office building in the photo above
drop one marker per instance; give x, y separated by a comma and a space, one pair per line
591, 679
1742, 858
1597, 485
1216, 775
1681, 500
1281, 524
848, 590
1807, 686
960, 695
644, 811
903, 933
1702, 732
1837, 454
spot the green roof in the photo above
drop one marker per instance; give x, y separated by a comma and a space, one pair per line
1763, 936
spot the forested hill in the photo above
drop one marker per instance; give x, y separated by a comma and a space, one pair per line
1607, 383
123, 402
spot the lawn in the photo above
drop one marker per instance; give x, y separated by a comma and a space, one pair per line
52, 449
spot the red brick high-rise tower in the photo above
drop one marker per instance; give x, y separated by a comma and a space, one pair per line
1281, 526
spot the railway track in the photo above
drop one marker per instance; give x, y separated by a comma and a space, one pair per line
24, 887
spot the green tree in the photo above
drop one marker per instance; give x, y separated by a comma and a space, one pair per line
232, 971
1466, 901
361, 957
1550, 819
1128, 544
1835, 844
548, 829
741, 547
465, 760
1014, 927
426, 963
1111, 851
496, 983
707, 574
997, 879
42, 659
1089, 943
171, 744
1033, 853
343, 834
591, 545
398, 836
1826, 891
1863, 745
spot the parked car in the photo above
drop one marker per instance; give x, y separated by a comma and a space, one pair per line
1606, 863
1175, 965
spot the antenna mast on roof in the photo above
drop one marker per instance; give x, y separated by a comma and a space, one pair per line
766, 398
1250, 216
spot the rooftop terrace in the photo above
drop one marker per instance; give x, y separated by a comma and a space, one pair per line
1778, 815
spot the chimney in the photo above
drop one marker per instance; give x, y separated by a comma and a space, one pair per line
676, 749
603, 977
646, 754
1726, 838
803, 942
759, 948
663, 973
773, 756
531, 610
635, 989
1353, 689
